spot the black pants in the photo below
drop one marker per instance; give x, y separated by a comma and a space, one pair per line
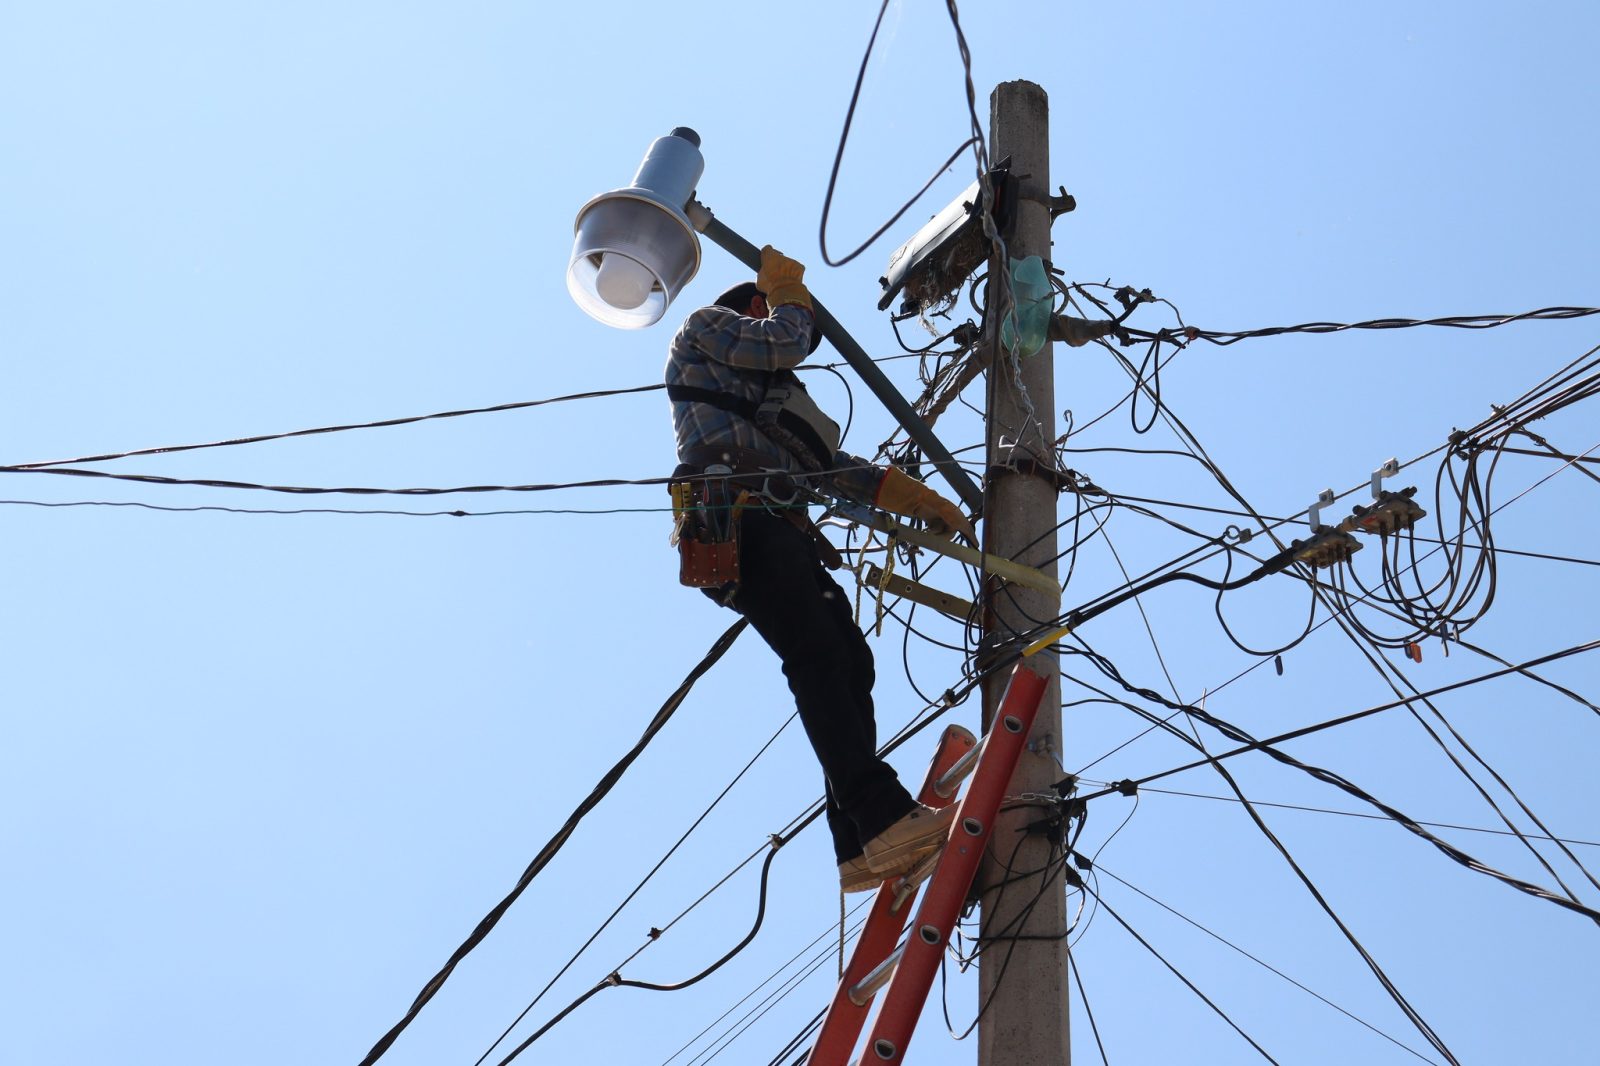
804, 616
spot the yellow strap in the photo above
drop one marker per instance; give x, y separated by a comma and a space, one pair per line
1045, 641
883, 584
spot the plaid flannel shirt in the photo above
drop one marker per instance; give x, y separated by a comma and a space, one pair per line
723, 351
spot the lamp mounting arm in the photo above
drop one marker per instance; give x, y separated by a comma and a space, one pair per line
748, 254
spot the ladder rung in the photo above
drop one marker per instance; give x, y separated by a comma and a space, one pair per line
862, 991
947, 785
906, 887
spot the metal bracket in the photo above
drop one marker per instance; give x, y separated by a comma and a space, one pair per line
1061, 203
1388, 469
1314, 512
895, 585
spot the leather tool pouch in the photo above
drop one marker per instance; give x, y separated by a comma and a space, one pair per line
706, 531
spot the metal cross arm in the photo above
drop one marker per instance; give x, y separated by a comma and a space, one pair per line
1015, 572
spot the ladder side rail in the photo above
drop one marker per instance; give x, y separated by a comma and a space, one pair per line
841, 1026
901, 1004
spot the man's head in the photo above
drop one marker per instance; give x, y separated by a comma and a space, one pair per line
745, 299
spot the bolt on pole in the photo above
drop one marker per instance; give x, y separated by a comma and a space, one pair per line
1022, 981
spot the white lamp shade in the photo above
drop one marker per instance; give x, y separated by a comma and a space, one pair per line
631, 257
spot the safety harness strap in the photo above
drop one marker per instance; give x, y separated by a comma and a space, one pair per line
820, 457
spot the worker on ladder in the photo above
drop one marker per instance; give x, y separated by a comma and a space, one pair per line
752, 447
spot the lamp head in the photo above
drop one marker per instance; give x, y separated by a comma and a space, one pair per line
635, 248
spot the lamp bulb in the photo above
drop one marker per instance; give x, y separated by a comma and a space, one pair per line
623, 283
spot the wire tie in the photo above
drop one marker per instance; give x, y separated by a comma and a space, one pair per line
614, 978
776, 840
1127, 788
655, 934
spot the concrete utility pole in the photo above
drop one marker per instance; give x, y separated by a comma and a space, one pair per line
1022, 982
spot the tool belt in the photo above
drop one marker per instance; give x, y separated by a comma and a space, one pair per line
710, 493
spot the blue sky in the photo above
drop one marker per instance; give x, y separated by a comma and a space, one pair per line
263, 772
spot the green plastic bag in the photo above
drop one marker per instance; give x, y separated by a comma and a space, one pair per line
1027, 327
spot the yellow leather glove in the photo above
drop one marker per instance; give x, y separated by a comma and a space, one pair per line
905, 495
780, 280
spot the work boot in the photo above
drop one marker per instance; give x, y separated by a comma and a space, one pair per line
918, 834
856, 876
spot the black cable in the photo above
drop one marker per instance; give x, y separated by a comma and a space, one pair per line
616, 980
916, 727
1187, 983
1269, 747
761, 1010
1048, 876
1266, 653
172, 448
1590, 704
1271, 524
951, 700
548, 852
152, 479
1215, 761
639, 887
1394, 678
1083, 997
1459, 322
838, 157
799, 1039
1259, 962
850, 403
1318, 727
1193, 443
808, 970
340, 510
1361, 814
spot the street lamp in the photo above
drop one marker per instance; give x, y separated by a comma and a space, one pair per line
635, 249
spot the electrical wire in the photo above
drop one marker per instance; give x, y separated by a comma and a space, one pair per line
1271, 748
497, 408
640, 887
825, 934
838, 158
554, 845
1083, 997
1190, 985
1259, 962
1360, 814
1219, 337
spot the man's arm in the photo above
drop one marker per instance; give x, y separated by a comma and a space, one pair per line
893, 490
856, 479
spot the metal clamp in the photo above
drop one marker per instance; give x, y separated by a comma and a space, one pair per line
766, 488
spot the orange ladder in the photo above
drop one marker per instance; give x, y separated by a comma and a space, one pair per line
908, 970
